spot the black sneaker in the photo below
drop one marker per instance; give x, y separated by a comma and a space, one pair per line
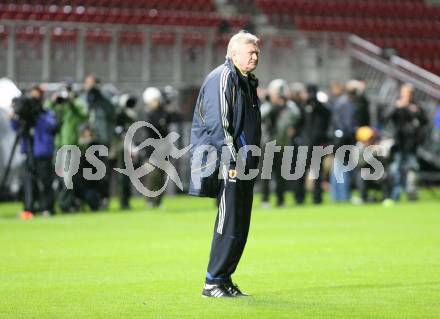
233, 289
215, 291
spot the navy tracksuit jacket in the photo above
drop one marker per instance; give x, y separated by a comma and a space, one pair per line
226, 117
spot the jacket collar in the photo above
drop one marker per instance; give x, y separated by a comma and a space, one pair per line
230, 65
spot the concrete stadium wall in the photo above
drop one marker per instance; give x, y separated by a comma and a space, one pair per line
294, 56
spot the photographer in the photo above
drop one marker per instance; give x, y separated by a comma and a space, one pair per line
154, 113
280, 118
102, 125
125, 117
36, 127
408, 122
342, 132
313, 132
70, 113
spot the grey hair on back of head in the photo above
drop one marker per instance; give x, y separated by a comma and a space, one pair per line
240, 37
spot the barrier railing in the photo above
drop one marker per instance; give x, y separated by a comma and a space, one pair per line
383, 75
395, 66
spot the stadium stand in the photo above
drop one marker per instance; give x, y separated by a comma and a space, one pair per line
410, 27
173, 13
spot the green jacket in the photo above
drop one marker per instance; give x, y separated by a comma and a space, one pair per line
70, 115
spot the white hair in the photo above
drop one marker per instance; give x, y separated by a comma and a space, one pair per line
279, 87
297, 87
151, 94
240, 37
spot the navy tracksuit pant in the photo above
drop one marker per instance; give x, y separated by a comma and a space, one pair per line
231, 228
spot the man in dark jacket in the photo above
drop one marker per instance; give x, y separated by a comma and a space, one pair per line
227, 118
362, 104
38, 146
408, 121
102, 122
280, 117
313, 132
155, 114
125, 117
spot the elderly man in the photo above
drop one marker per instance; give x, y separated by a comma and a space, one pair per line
227, 118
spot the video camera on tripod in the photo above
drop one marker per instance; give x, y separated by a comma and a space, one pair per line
27, 109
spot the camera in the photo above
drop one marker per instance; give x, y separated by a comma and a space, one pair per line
27, 109
169, 94
63, 95
125, 114
127, 101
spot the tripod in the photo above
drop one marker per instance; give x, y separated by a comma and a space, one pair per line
24, 133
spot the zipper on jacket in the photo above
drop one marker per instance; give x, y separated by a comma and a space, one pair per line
200, 108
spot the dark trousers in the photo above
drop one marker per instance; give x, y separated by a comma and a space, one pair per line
280, 182
231, 228
300, 184
124, 183
154, 182
125, 191
106, 181
364, 186
37, 185
89, 191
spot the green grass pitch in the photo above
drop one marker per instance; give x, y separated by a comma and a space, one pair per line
332, 261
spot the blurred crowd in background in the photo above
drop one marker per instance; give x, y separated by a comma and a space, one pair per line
293, 114
301, 115
84, 117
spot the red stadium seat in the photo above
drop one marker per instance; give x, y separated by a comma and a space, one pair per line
131, 37
98, 36
3, 33
402, 24
164, 38
194, 39
282, 42
63, 35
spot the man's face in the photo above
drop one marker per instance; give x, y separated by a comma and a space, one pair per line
304, 96
246, 56
406, 92
154, 104
336, 89
276, 99
89, 82
36, 94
